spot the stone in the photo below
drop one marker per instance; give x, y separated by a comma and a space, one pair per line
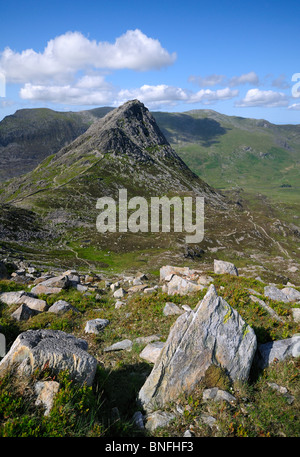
277, 350
35, 349
179, 271
282, 390
150, 290
137, 288
120, 346
188, 434
182, 286
23, 313
218, 395
292, 294
208, 420
21, 297
146, 339
96, 325
41, 289
46, 391
61, 306
222, 267
61, 282
296, 314
119, 304
171, 309
212, 334
275, 294
158, 419
119, 293
12, 298
152, 351
205, 280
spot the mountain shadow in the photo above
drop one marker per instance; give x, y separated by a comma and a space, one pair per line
183, 127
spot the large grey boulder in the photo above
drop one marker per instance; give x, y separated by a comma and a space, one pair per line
291, 293
35, 349
277, 350
276, 294
21, 298
182, 286
222, 267
212, 334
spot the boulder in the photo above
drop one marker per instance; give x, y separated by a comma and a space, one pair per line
61, 306
275, 294
158, 419
168, 270
96, 325
277, 350
12, 298
152, 351
119, 346
52, 285
21, 297
171, 309
222, 267
182, 286
212, 334
23, 313
119, 293
57, 350
218, 395
292, 294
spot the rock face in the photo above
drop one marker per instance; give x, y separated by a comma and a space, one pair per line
280, 350
55, 349
213, 333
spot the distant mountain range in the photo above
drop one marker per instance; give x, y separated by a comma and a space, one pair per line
226, 151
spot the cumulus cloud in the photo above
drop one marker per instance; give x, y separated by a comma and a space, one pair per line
281, 83
294, 106
247, 78
68, 53
207, 81
265, 98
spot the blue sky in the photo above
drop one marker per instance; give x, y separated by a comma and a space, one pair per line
235, 57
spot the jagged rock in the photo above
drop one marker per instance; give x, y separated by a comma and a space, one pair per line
23, 313
35, 349
12, 298
212, 334
222, 267
168, 270
208, 420
96, 325
182, 286
21, 297
137, 288
267, 308
46, 391
120, 346
171, 309
152, 351
275, 294
119, 304
119, 293
277, 350
61, 307
146, 339
158, 419
41, 289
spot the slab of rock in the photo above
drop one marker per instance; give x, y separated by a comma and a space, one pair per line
152, 351
218, 395
277, 350
41, 289
119, 293
171, 309
96, 325
137, 288
36, 349
222, 267
22, 297
120, 346
23, 313
61, 306
212, 334
168, 270
12, 298
46, 391
146, 339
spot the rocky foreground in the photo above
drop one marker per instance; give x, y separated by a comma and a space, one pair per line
211, 336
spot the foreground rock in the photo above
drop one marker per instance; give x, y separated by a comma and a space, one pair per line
277, 350
212, 334
57, 350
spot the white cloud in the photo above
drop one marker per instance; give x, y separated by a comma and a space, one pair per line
247, 78
208, 96
265, 98
294, 106
66, 54
207, 81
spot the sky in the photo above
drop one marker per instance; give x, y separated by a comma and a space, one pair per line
239, 58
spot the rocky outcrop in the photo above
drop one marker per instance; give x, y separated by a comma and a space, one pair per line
212, 334
222, 267
57, 350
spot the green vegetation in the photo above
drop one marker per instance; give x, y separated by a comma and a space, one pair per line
87, 411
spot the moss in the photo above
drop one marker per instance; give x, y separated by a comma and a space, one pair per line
216, 376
